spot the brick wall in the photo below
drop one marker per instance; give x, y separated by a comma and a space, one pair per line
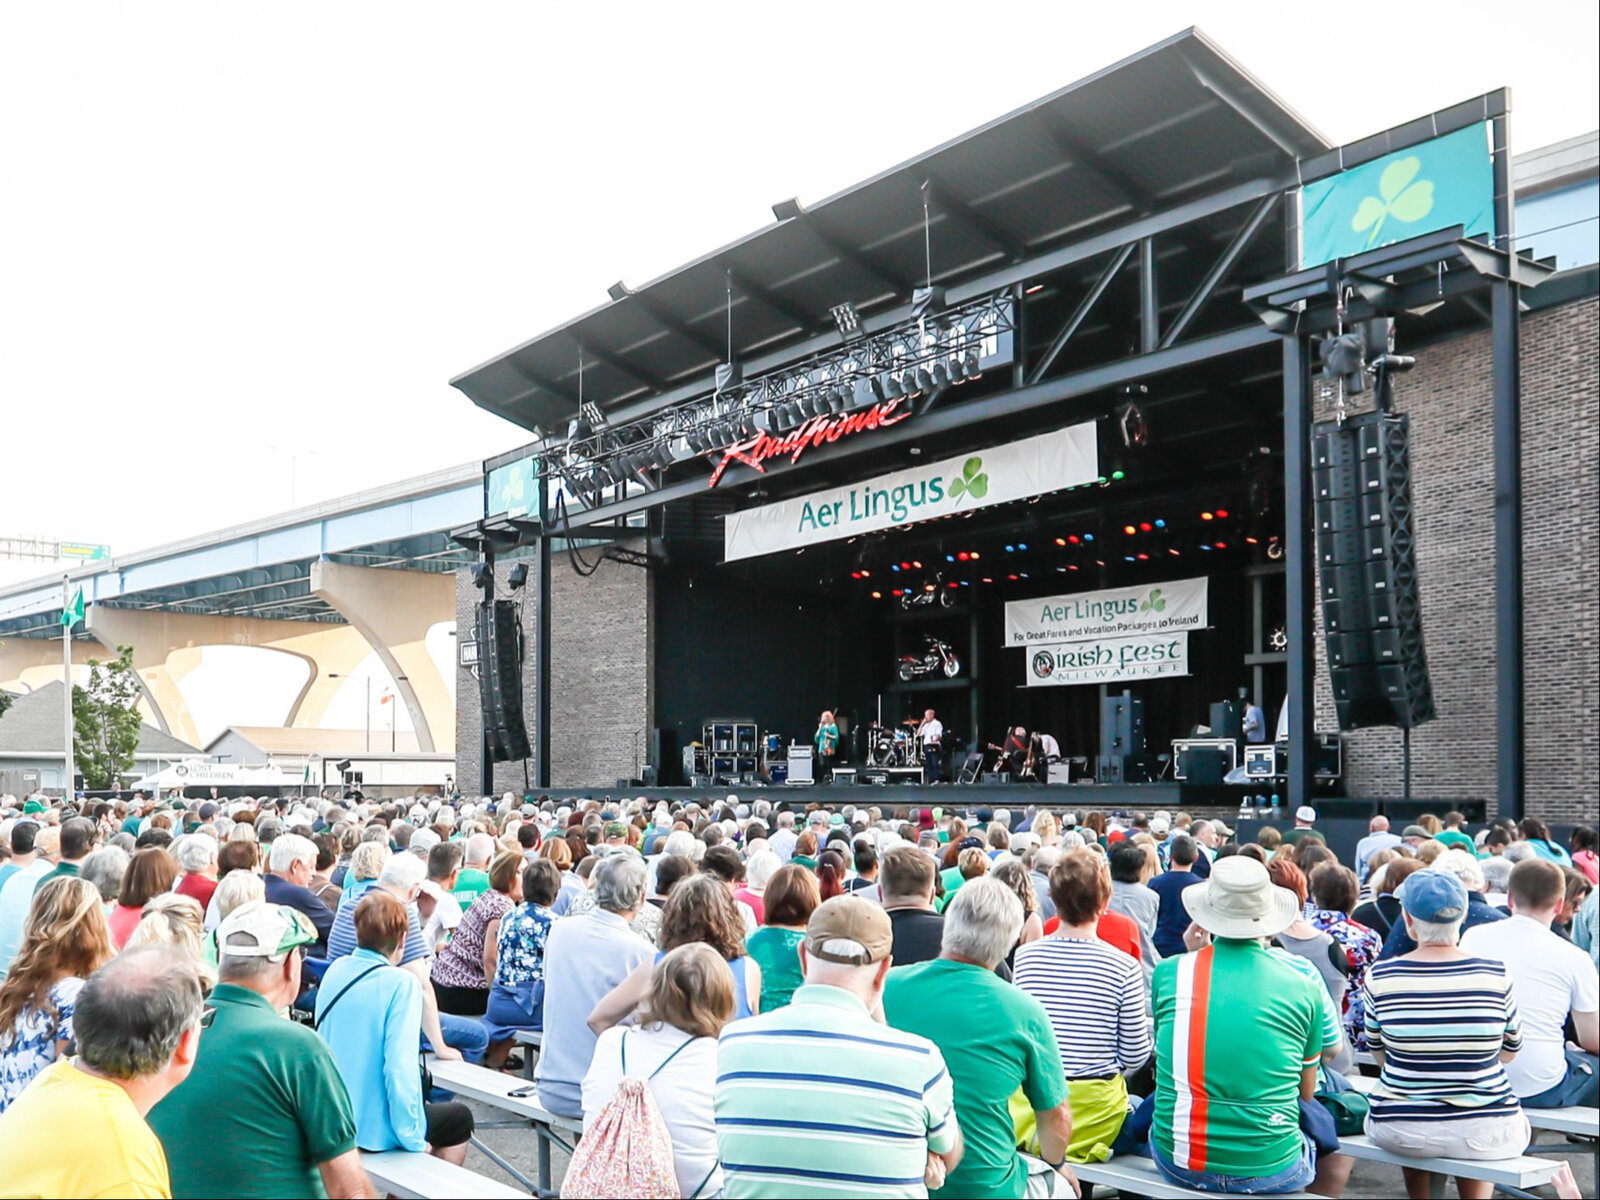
600, 677
1449, 399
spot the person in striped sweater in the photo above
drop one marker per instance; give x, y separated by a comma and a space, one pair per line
1441, 1023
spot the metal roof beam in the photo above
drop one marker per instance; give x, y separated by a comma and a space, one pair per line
944, 200
636, 373
792, 210
1219, 270
808, 322
668, 320
1081, 313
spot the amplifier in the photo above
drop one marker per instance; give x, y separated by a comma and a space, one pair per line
1203, 760
1059, 772
876, 776
994, 778
844, 775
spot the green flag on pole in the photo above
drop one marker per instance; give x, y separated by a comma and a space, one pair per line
73, 613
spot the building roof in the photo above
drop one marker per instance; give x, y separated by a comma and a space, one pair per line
32, 726
276, 741
1175, 121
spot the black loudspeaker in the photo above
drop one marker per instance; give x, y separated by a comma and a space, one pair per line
664, 755
1202, 764
1227, 720
500, 681
1122, 725
1366, 555
1111, 768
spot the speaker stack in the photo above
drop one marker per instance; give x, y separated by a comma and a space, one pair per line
1121, 738
500, 681
1371, 614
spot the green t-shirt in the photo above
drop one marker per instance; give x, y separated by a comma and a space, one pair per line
1457, 839
66, 870
952, 879
1235, 1026
1001, 1040
262, 1108
1294, 835
777, 953
470, 884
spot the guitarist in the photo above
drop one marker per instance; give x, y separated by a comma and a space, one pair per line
826, 740
1014, 754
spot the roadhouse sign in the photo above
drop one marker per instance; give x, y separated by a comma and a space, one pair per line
755, 451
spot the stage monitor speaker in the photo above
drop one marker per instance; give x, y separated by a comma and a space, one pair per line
1366, 559
1111, 768
500, 681
1203, 764
1122, 725
995, 778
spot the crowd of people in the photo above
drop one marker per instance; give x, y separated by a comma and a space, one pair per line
235, 997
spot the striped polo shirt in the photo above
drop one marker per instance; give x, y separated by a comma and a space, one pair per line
818, 1099
1441, 1027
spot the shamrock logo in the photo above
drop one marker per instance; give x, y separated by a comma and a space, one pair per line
971, 482
1401, 195
1154, 602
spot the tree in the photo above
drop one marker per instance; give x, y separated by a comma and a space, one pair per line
105, 720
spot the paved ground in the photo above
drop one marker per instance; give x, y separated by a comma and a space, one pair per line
1369, 1181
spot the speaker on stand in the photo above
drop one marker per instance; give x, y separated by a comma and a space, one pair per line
500, 683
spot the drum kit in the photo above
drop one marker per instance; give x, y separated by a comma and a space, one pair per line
888, 746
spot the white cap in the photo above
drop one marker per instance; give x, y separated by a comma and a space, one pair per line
1306, 813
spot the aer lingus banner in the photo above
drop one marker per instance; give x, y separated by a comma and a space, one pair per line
1016, 471
1114, 612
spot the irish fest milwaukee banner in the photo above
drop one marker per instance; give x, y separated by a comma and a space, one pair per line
1016, 471
1109, 660
1177, 605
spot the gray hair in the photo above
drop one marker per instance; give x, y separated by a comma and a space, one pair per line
197, 852
403, 872
368, 860
679, 841
1464, 867
242, 831
269, 829
1436, 933
236, 888
480, 849
132, 1012
619, 882
423, 841
105, 869
291, 848
1520, 852
982, 922
1071, 840
763, 865
1496, 872
1046, 857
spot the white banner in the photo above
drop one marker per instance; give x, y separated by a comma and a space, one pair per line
1016, 471
1115, 612
1109, 660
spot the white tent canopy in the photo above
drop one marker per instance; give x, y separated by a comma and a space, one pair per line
210, 774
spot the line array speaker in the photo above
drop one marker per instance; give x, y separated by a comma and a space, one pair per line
1366, 558
1122, 725
500, 681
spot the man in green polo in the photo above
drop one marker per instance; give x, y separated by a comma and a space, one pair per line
264, 1112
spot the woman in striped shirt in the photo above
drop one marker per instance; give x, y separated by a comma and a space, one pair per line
1440, 1024
1094, 995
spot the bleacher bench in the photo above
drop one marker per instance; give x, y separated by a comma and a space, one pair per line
1138, 1176
415, 1176
532, 1042
1585, 1121
1520, 1173
493, 1088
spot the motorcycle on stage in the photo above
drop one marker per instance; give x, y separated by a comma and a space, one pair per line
937, 659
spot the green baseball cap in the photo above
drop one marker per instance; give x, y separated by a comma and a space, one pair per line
273, 930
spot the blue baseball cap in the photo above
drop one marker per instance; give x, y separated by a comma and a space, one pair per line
1435, 896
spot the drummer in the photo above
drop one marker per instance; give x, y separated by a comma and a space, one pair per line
826, 740
929, 734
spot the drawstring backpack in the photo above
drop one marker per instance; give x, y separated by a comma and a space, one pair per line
627, 1149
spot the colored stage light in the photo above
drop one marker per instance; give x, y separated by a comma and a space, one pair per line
898, 592
1205, 516
905, 566
1119, 474
1144, 557
1252, 540
928, 587
1174, 551
988, 580
1073, 539
1030, 290
917, 565
1022, 545
1088, 537
1220, 545
1145, 527
1129, 530
1011, 549
952, 584
866, 574
1127, 558
1160, 524
855, 574
1013, 578
877, 595
894, 567
1222, 514
963, 556
1061, 541
1205, 545
949, 558
975, 556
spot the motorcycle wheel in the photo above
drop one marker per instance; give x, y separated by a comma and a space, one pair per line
952, 666
908, 671
945, 600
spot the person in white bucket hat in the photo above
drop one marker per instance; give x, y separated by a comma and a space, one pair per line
1239, 1036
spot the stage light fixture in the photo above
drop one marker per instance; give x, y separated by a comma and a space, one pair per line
1145, 527
517, 576
866, 392
1012, 578
1127, 558
986, 579
1143, 557
847, 319
866, 574
1206, 516
1129, 530
1205, 545
924, 380
1119, 474
837, 402
1072, 539
963, 556
917, 565
1011, 549
909, 384
905, 566
1088, 537
877, 595
949, 558
1175, 552
1222, 514
890, 386
1220, 545
1061, 541
483, 576
930, 587
1022, 545
971, 364
1160, 524
941, 375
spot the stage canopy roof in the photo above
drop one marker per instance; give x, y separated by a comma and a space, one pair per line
1172, 123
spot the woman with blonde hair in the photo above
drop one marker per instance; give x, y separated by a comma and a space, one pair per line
689, 999
173, 920
65, 940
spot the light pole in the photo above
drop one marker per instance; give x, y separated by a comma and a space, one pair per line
397, 679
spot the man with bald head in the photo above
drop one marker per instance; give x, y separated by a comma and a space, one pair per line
1378, 838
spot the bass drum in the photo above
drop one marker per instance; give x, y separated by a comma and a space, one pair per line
881, 752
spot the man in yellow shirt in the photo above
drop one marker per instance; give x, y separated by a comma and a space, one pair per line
138, 1025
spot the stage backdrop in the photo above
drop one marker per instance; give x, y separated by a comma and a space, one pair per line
1160, 608
1016, 471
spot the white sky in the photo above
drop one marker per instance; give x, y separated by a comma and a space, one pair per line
234, 235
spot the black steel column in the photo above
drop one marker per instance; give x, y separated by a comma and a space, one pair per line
541, 654
1300, 563
485, 754
1506, 342
1149, 299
